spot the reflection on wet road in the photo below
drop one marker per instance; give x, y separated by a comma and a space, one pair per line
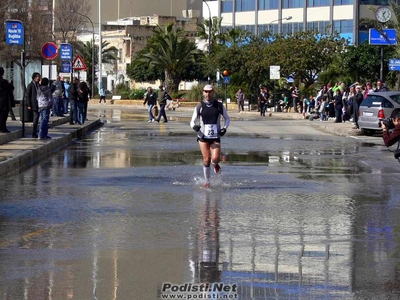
121, 212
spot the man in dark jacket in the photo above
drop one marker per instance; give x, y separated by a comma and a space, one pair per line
162, 100
4, 101
73, 97
32, 103
380, 87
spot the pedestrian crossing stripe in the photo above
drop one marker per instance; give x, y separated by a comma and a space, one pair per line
79, 64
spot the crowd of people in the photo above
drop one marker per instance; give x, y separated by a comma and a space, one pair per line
57, 98
338, 102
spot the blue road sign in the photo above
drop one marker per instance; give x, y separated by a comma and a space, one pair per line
14, 32
65, 51
387, 38
66, 66
394, 64
227, 79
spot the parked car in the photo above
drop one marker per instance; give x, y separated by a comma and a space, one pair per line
375, 107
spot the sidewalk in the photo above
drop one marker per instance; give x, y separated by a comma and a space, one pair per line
18, 153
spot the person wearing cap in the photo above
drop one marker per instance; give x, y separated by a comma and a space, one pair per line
209, 130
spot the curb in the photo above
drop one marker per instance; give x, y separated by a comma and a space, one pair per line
29, 157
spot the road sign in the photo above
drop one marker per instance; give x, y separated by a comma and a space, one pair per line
14, 32
66, 66
49, 51
79, 64
387, 38
65, 51
227, 79
274, 72
394, 64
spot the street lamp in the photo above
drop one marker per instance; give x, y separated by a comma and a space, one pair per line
280, 19
287, 18
92, 83
209, 33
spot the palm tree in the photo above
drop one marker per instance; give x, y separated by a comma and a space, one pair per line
171, 51
109, 55
204, 30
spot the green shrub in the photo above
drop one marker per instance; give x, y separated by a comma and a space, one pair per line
124, 94
137, 94
121, 88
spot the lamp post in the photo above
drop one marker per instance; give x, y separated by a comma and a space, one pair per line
100, 51
209, 33
92, 83
287, 18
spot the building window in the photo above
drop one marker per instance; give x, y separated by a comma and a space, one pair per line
245, 5
227, 6
289, 28
343, 2
322, 26
293, 3
343, 26
272, 28
317, 3
249, 28
268, 4
375, 2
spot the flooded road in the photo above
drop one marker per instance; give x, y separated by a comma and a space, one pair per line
294, 215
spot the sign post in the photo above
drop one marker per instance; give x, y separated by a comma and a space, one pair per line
382, 37
227, 80
15, 35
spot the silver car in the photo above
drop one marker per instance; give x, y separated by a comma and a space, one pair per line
375, 107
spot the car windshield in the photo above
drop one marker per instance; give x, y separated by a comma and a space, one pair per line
396, 98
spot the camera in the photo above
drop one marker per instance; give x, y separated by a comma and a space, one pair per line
388, 123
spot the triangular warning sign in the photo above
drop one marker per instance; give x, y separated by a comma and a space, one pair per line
79, 64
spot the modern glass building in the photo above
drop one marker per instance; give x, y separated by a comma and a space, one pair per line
286, 16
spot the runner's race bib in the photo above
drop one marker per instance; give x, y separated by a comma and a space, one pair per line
211, 131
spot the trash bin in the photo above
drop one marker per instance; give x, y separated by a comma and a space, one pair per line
26, 115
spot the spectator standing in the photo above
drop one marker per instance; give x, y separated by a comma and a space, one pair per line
262, 100
151, 100
102, 95
73, 98
58, 95
4, 101
368, 89
240, 99
66, 96
83, 98
380, 86
162, 100
32, 103
338, 106
11, 99
358, 98
44, 104
295, 97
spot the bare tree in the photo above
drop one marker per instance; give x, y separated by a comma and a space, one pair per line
37, 21
69, 16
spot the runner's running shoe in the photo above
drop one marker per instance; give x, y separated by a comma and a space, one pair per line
217, 169
206, 185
